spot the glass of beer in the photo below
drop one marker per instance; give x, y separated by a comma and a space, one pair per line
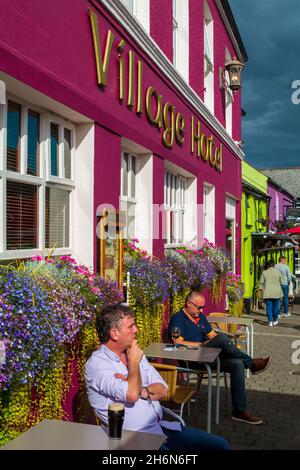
175, 333
115, 420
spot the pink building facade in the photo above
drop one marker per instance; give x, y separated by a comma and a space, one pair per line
117, 103
280, 200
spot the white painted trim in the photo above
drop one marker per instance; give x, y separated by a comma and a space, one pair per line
2, 214
182, 52
148, 45
229, 30
17, 254
142, 11
19, 178
209, 215
3, 126
83, 235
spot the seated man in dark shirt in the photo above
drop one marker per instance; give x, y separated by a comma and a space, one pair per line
196, 331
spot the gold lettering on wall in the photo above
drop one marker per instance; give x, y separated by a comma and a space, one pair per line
158, 114
180, 129
204, 154
219, 158
139, 105
212, 159
169, 125
195, 137
130, 99
157, 120
120, 48
101, 65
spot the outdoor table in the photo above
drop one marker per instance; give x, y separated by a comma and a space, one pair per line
246, 322
65, 435
204, 355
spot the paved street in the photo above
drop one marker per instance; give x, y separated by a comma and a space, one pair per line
273, 395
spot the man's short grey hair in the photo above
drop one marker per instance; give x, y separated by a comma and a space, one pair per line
110, 316
191, 295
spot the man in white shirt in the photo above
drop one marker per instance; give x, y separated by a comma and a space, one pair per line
120, 372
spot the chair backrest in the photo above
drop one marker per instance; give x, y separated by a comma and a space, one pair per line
169, 374
220, 325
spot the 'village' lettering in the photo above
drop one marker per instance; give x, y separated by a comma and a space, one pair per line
159, 114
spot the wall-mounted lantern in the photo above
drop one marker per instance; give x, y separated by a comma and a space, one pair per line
234, 68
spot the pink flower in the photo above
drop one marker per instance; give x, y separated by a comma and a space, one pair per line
68, 259
37, 258
96, 290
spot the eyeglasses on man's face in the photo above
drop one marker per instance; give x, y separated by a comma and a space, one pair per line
198, 307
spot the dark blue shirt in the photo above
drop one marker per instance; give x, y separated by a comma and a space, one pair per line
189, 330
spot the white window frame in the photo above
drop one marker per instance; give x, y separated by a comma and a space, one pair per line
230, 214
175, 31
209, 210
229, 99
174, 202
208, 71
180, 22
129, 198
130, 5
62, 124
44, 179
140, 9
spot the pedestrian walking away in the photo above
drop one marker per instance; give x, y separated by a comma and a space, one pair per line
271, 284
284, 270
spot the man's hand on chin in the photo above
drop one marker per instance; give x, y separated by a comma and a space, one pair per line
134, 353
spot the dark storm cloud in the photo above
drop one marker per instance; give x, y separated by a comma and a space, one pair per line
270, 30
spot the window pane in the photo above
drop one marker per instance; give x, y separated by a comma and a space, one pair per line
133, 176
33, 143
129, 4
130, 221
180, 227
129, 209
173, 226
13, 136
67, 153
125, 174
21, 216
57, 218
54, 149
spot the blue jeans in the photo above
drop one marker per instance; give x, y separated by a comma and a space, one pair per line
191, 438
272, 306
285, 290
235, 362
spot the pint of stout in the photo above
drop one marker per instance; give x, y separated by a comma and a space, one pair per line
115, 419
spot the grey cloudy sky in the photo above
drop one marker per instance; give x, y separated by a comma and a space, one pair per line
270, 30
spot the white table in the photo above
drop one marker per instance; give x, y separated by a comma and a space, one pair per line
65, 435
206, 356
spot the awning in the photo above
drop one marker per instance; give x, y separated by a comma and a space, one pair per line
293, 230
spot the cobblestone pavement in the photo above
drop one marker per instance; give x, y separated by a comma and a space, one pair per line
274, 395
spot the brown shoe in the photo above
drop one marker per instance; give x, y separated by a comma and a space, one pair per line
246, 417
260, 364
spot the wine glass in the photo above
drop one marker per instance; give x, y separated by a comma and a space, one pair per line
175, 333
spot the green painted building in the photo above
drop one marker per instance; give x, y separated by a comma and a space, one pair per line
258, 244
